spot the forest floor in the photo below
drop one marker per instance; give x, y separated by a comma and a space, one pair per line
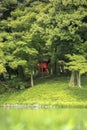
47, 92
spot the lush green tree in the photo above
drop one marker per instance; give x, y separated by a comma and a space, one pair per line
78, 65
66, 28
22, 39
32, 29
2, 61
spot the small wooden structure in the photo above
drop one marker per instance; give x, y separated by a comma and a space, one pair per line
43, 66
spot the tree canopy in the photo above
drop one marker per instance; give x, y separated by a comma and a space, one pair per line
31, 29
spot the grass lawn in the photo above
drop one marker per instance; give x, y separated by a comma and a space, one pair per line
48, 92
43, 119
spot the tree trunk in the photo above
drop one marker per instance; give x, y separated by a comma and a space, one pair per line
21, 72
32, 80
72, 79
9, 76
75, 79
78, 79
55, 67
42, 73
2, 78
51, 71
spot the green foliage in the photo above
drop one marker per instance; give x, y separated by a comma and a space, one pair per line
2, 68
77, 63
2, 61
17, 62
31, 29
9, 2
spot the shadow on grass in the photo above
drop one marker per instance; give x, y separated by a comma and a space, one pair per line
80, 94
51, 79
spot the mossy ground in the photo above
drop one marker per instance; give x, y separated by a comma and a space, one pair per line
47, 91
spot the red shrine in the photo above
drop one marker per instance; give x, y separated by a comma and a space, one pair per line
43, 67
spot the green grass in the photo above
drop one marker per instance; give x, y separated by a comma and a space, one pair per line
48, 92
43, 119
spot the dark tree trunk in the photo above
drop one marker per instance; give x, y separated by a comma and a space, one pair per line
2, 78
9, 76
21, 72
55, 67
55, 62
